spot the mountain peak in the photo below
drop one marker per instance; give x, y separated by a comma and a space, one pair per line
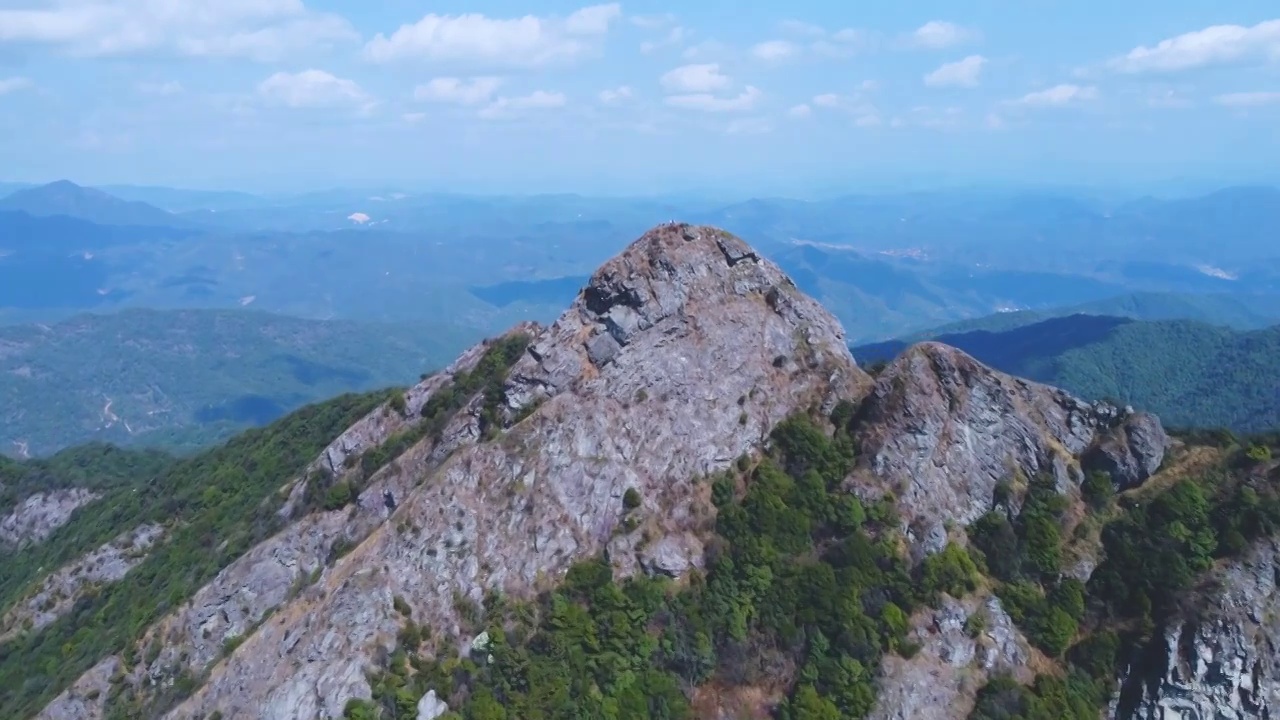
941, 431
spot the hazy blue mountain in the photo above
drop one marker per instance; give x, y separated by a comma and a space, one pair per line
1191, 374
1239, 311
886, 265
177, 200
66, 198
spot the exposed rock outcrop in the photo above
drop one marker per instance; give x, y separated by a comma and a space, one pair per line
36, 517
708, 346
1219, 660
962, 643
59, 591
1131, 452
940, 430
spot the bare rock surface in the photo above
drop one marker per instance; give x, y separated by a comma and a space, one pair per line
1220, 660
708, 346
940, 430
956, 657
36, 517
1131, 452
58, 592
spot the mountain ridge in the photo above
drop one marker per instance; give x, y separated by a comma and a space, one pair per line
683, 498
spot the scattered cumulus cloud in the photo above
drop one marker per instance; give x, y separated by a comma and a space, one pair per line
826, 100
696, 78
1248, 99
706, 102
13, 84
172, 87
675, 37
262, 30
1214, 45
1059, 96
616, 95
800, 111
802, 28
458, 91
527, 41
940, 35
961, 73
808, 37
653, 22
512, 106
772, 50
311, 89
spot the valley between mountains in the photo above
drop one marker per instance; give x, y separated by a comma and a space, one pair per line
681, 499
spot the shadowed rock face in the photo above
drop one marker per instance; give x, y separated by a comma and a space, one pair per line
679, 356
940, 430
1220, 661
1131, 452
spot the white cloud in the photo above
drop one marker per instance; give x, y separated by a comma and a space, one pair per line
826, 100
593, 20
749, 126
1168, 98
1058, 96
801, 28
511, 106
1248, 99
510, 42
771, 50
994, 122
698, 78
869, 85
1215, 45
704, 49
457, 91
172, 87
14, 84
800, 111
615, 95
675, 36
869, 120
938, 35
961, 73
707, 102
653, 22
263, 30
311, 89
414, 118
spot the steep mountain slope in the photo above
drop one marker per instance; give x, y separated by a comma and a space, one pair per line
682, 499
66, 198
188, 378
1190, 374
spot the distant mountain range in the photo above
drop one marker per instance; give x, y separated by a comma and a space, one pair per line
887, 266
183, 379
1190, 373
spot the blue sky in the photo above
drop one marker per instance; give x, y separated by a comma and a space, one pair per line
742, 96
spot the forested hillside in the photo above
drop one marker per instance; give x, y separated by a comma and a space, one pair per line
186, 379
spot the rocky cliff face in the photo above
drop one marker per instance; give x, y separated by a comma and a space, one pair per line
940, 431
36, 517
677, 358
1220, 659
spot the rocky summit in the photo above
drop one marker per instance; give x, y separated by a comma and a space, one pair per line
637, 430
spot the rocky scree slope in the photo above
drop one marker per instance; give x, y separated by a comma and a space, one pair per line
678, 357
